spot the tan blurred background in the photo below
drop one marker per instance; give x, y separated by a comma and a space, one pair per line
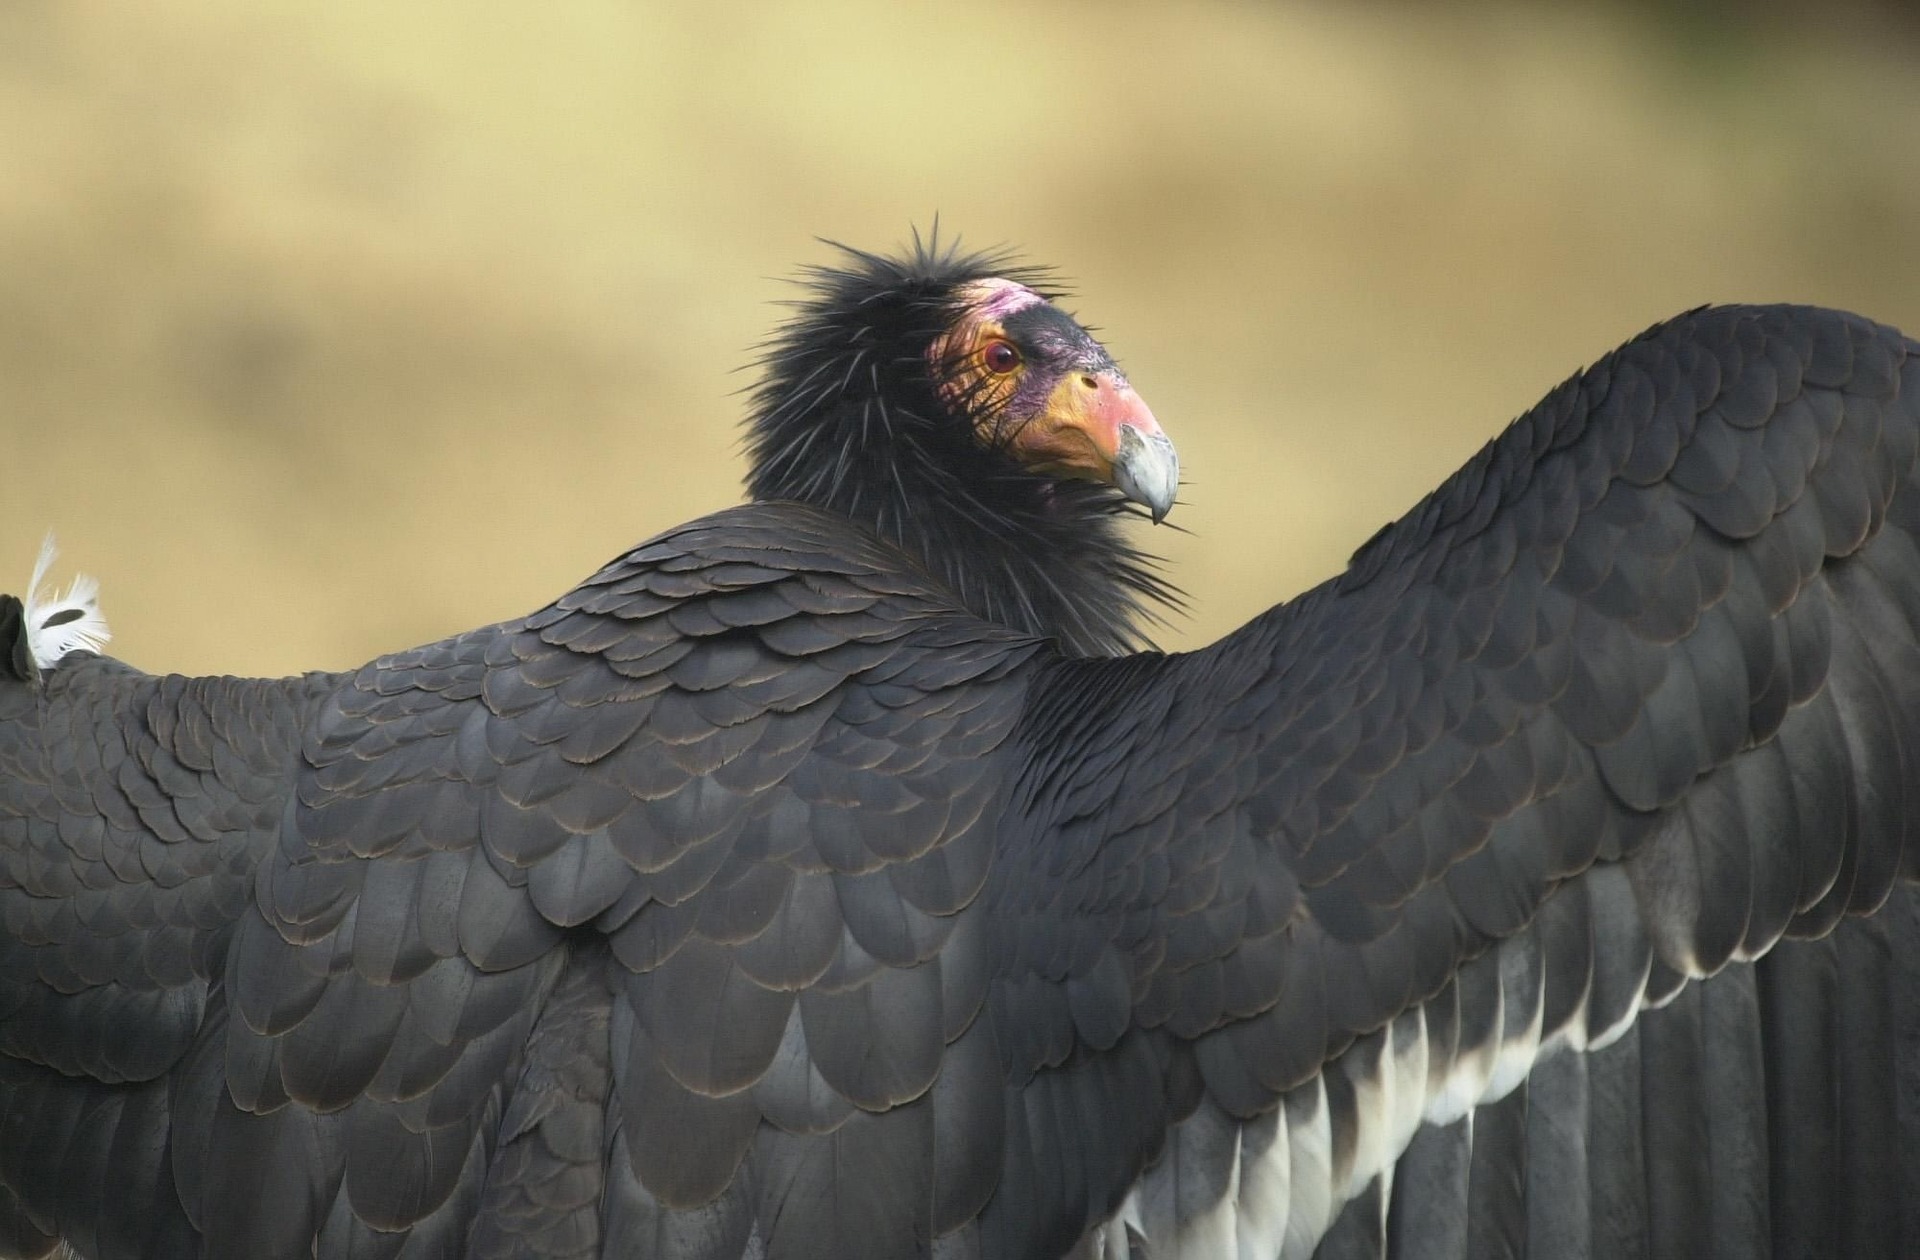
329, 329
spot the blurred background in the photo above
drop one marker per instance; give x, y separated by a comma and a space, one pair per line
330, 329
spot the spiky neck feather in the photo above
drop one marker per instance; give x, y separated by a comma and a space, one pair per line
849, 419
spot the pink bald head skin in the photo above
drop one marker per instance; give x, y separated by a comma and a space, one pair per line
1056, 402
997, 299
988, 304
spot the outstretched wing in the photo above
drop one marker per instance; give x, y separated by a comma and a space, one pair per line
1632, 696
670, 886
133, 810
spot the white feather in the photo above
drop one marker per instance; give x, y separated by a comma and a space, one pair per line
65, 621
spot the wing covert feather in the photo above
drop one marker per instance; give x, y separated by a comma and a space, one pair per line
763, 786
1665, 624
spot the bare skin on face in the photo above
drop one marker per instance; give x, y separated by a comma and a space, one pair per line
1038, 382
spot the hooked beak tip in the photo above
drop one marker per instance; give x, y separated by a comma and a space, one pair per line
1147, 470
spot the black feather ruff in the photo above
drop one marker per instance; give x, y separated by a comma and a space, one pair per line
849, 418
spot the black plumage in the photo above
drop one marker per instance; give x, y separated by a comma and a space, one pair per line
848, 418
823, 877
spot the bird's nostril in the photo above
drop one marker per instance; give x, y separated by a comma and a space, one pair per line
1089, 381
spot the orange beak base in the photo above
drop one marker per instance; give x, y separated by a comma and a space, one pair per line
1095, 427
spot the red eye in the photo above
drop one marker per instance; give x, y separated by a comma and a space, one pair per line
1000, 357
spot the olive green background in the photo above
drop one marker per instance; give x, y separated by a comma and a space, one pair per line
330, 329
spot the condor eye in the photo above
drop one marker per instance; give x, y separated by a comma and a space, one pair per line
1000, 357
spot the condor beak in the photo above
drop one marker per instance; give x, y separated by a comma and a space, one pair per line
1147, 469
1095, 427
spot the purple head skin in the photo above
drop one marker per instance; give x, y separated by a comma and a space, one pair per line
1039, 383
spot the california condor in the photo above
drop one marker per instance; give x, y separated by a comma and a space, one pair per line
837, 875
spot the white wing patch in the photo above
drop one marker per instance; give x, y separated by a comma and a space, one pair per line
1294, 1168
59, 622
